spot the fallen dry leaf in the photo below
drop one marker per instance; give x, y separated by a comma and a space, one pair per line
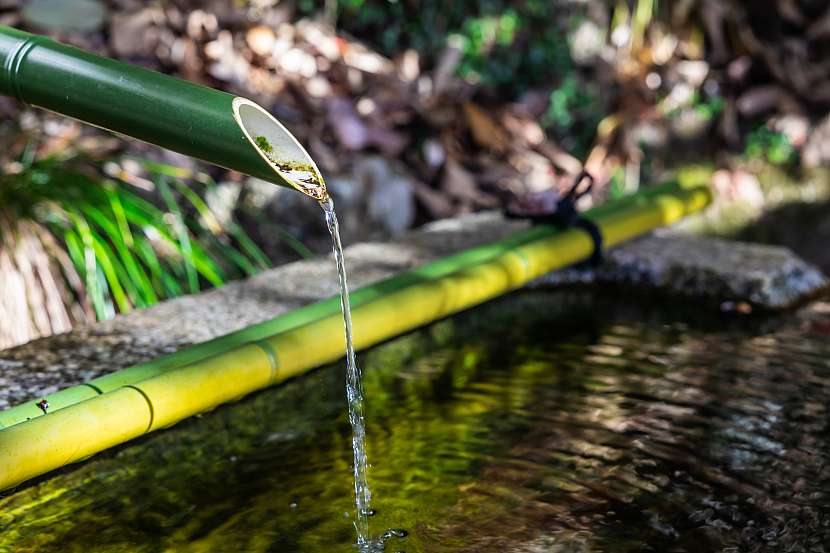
348, 127
484, 129
460, 184
261, 40
438, 205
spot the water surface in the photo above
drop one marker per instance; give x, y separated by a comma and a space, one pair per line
539, 422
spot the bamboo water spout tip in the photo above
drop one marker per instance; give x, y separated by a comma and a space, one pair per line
276, 145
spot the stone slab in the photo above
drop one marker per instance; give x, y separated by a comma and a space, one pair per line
724, 271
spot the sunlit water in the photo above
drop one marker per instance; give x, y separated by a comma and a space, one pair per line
354, 390
539, 422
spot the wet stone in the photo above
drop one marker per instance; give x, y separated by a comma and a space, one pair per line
735, 273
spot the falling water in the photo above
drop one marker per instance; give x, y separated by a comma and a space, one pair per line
354, 388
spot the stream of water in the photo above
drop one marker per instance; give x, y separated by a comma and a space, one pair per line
354, 389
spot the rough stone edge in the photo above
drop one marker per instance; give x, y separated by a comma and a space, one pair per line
730, 273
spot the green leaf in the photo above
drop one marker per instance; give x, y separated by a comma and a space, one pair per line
182, 233
136, 278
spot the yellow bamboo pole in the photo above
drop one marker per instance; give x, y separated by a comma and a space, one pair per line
37, 446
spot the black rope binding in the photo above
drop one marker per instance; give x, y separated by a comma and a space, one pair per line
565, 215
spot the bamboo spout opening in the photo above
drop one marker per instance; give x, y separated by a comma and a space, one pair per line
279, 148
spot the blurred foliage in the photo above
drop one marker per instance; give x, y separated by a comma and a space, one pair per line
710, 108
706, 107
514, 49
505, 44
616, 184
574, 111
774, 147
507, 48
129, 252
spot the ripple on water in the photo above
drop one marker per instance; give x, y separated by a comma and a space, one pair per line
537, 423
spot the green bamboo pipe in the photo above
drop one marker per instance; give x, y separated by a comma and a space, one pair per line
304, 315
194, 120
73, 433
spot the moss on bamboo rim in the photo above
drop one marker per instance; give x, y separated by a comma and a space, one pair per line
311, 185
279, 149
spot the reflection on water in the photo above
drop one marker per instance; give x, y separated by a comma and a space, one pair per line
536, 423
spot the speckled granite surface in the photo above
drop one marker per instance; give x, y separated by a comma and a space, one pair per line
769, 277
43, 366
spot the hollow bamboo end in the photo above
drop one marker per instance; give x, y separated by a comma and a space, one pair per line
279, 148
